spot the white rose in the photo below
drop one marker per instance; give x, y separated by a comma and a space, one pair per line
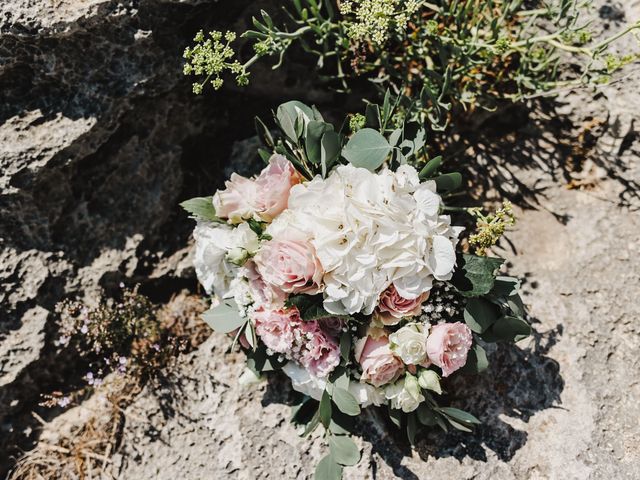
214, 242
410, 343
403, 396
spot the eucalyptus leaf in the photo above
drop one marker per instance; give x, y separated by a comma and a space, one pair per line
315, 131
480, 314
477, 360
287, 116
459, 415
313, 424
202, 208
448, 182
367, 148
505, 286
328, 469
430, 168
511, 329
412, 428
329, 150
345, 402
325, 409
426, 416
224, 318
345, 346
475, 275
344, 450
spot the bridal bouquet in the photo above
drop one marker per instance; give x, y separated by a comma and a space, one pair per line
338, 265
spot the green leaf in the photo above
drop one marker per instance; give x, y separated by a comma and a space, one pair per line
459, 415
224, 318
505, 286
325, 409
345, 402
511, 329
263, 132
313, 147
475, 275
395, 416
430, 168
448, 182
328, 469
476, 360
250, 335
264, 155
412, 428
344, 450
459, 426
202, 208
313, 424
345, 346
426, 416
479, 314
287, 117
329, 151
367, 148
372, 116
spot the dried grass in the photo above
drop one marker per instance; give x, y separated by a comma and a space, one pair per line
86, 453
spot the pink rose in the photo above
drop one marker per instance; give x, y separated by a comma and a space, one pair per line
273, 186
331, 325
290, 265
448, 345
236, 201
262, 292
393, 307
321, 352
379, 365
275, 328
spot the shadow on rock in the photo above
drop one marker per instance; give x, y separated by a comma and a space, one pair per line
499, 150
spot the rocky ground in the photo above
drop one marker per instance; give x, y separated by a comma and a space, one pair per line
100, 139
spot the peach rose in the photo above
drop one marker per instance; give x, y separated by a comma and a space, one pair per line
448, 345
392, 307
273, 186
379, 365
235, 202
290, 265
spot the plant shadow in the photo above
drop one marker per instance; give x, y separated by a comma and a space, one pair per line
518, 151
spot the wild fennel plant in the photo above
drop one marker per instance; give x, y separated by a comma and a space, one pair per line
450, 56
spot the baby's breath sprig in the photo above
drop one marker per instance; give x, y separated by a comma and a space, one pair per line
491, 227
212, 57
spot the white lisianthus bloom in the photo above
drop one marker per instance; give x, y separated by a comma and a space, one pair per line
370, 230
302, 381
410, 343
405, 394
214, 265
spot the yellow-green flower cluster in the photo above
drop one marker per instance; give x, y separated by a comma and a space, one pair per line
374, 20
211, 57
490, 228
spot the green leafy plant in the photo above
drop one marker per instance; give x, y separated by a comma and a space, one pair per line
451, 56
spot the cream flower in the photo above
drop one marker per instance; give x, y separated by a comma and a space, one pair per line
213, 263
410, 343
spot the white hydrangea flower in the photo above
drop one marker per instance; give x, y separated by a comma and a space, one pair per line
410, 343
214, 265
370, 230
